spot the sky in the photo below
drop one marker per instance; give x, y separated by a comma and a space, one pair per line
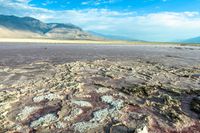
150, 20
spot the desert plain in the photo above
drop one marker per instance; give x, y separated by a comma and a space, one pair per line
123, 88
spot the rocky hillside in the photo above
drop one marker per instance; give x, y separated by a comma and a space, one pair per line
27, 27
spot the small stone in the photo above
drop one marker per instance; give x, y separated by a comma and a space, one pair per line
74, 113
60, 124
45, 120
121, 129
102, 90
195, 105
83, 127
101, 115
49, 97
81, 87
115, 103
82, 103
28, 110
195, 75
142, 129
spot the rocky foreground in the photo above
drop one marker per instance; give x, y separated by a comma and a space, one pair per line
100, 96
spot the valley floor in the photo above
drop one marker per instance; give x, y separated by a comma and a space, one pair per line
99, 88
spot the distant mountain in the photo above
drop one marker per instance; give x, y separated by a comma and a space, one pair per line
113, 37
192, 40
27, 27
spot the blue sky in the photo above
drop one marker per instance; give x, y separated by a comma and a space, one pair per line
142, 6
153, 20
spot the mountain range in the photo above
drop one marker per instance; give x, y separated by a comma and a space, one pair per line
192, 40
113, 37
28, 27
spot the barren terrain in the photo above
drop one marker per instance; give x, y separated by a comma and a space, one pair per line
99, 88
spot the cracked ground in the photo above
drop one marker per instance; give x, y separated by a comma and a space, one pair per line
100, 96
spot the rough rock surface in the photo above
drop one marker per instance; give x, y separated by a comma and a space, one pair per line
100, 96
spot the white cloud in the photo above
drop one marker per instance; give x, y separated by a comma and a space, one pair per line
98, 2
163, 26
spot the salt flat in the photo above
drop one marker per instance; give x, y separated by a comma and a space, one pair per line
99, 88
23, 53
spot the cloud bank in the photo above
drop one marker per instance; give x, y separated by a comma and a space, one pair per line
161, 26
